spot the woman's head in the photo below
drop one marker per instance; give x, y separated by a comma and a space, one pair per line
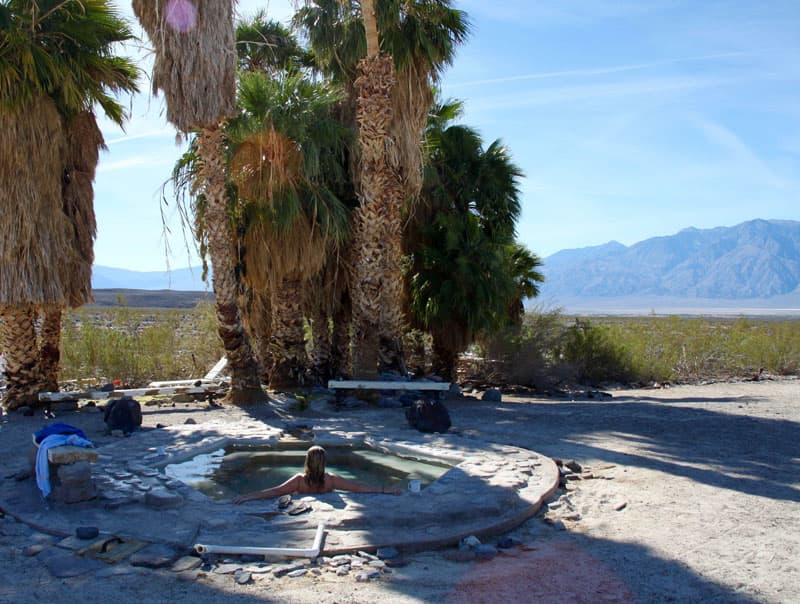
315, 466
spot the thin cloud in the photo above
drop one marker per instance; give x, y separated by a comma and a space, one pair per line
599, 71
124, 164
594, 92
747, 159
159, 133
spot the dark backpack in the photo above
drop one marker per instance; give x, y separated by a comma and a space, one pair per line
428, 415
123, 414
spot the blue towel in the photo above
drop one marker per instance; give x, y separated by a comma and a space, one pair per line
56, 428
42, 466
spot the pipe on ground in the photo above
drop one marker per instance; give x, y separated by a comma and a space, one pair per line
289, 552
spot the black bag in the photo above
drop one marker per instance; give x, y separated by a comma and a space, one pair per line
123, 414
428, 415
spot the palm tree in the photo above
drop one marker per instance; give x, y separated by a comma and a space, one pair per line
468, 275
195, 67
56, 63
286, 163
391, 95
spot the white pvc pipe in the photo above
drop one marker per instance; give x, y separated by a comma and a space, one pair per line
290, 552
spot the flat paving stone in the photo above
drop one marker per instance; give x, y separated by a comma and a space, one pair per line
61, 564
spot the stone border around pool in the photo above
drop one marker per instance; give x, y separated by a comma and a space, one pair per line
491, 489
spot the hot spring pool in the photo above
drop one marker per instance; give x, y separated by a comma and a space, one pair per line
238, 469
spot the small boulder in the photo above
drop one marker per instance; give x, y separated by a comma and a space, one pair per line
492, 395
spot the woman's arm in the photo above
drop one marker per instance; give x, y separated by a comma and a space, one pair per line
344, 484
290, 486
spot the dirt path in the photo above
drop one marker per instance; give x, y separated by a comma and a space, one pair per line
697, 498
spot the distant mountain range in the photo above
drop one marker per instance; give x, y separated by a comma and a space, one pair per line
752, 266
756, 263
183, 279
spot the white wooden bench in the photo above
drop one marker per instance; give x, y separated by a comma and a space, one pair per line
387, 385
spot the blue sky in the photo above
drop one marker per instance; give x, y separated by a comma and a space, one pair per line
630, 118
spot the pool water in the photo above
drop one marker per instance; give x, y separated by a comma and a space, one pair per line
235, 470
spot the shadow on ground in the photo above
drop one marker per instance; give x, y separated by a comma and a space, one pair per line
752, 455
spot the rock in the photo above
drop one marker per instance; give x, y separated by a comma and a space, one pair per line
75, 474
34, 550
485, 551
379, 564
459, 555
492, 395
343, 570
285, 570
242, 576
117, 570
385, 553
186, 563
182, 398
340, 560
161, 498
297, 573
191, 421
367, 575
87, 532
227, 569
156, 555
572, 516
367, 555
74, 494
620, 506
61, 564
558, 525
508, 542
469, 542
574, 466
396, 562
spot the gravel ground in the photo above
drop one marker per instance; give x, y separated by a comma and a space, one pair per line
690, 495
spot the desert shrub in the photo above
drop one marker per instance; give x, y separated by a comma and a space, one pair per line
596, 354
548, 349
136, 346
527, 354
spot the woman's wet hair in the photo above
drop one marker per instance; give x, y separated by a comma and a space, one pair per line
315, 466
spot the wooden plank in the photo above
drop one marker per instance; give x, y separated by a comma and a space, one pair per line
385, 385
216, 369
198, 383
98, 394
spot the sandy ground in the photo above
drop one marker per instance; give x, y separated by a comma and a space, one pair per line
696, 499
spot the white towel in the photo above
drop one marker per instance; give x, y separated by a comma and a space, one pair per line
42, 467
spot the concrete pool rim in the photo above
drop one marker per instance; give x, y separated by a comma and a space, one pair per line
491, 489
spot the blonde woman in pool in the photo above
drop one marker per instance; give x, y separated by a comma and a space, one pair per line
315, 480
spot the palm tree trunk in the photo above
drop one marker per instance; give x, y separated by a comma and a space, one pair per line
321, 350
445, 360
370, 27
376, 285
341, 362
21, 352
257, 319
50, 347
245, 383
287, 342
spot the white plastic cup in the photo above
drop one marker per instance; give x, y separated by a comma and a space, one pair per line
414, 485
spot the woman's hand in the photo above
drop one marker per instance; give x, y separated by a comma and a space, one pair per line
243, 498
